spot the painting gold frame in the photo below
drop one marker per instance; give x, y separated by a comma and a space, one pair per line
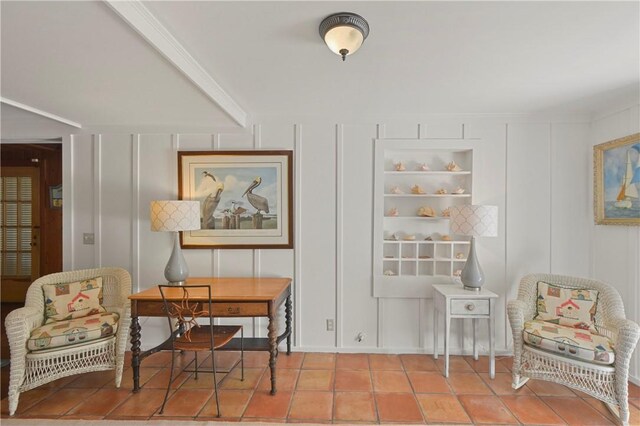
616, 181
246, 198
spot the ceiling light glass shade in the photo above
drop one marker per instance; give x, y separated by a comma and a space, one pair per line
344, 33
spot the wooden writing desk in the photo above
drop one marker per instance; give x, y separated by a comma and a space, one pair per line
231, 297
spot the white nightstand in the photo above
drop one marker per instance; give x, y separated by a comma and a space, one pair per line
455, 302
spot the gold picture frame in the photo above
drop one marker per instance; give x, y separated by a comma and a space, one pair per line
616, 181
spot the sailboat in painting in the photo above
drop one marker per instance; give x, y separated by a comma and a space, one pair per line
628, 190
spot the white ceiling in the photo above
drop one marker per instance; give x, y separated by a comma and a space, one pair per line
79, 60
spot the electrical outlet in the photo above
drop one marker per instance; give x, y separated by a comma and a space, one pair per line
88, 239
330, 325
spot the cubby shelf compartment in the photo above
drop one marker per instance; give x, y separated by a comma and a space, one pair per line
413, 266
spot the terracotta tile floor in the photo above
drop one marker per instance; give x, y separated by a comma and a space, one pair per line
323, 388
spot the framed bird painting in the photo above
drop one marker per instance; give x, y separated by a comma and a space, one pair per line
246, 198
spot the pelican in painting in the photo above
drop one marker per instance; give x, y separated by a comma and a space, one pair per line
211, 202
257, 201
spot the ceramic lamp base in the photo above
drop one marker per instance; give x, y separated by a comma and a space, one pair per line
176, 271
472, 276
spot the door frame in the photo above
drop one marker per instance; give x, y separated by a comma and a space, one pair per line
67, 143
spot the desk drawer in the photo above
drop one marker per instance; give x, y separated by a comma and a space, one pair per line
240, 309
253, 309
470, 307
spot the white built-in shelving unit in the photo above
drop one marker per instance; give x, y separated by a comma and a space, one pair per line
411, 252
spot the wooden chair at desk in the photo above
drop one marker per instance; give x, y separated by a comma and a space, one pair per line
187, 334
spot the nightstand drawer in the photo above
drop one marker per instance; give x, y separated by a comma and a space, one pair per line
470, 307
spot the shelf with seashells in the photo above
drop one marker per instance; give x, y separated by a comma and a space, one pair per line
417, 182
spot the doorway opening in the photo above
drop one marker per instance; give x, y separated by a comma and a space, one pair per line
30, 220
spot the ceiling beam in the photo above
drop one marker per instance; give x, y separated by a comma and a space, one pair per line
40, 112
140, 19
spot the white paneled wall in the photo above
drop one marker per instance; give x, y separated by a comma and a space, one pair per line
116, 176
615, 254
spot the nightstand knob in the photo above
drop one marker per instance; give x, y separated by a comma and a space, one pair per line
469, 306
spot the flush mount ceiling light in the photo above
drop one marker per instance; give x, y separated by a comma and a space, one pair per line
344, 32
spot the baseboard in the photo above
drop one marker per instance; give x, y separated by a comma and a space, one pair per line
376, 350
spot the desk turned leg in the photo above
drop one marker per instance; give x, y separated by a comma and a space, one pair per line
273, 347
135, 352
287, 316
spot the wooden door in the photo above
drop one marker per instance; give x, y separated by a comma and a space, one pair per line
19, 230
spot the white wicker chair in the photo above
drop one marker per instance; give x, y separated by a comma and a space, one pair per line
608, 383
32, 369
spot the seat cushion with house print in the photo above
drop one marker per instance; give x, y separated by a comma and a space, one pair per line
569, 341
66, 301
568, 307
73, 331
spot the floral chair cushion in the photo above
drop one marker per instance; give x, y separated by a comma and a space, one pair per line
74, 331
569, 341
67, 301
569, 307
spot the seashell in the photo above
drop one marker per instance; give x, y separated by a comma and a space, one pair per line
460, 255
392, 237
409, 237
446, 212
393, 212
396, 190
457, 273
426, 211
441, 191
459, 190
453, 167
417, 189
446, 238
389, 272
399, 167
423, 167
428, 238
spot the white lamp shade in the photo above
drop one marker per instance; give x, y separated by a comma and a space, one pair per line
344, 37
478, 221
172, 215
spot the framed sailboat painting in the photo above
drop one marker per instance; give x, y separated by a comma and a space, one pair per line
616, 184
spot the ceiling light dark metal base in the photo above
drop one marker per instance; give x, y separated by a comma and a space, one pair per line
344, 18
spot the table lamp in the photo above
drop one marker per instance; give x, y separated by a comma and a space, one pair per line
175, 216
476, 221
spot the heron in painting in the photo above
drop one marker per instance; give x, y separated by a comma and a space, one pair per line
211, 202
257, 201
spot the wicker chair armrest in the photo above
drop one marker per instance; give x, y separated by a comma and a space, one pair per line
19, 325
625, 335
518, 312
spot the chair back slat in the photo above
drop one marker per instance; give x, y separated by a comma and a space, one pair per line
178, 306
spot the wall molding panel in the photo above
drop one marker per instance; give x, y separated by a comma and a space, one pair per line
298, 220
97, 199
135, 211
333, 171
339, 238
